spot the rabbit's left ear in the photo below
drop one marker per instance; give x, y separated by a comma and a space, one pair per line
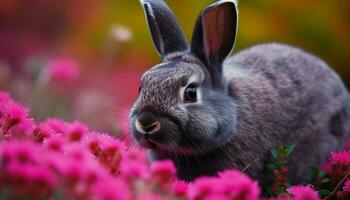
215, 32
167, 35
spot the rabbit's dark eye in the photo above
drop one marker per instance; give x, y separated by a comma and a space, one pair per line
190, 94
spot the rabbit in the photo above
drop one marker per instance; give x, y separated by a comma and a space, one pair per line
208, 112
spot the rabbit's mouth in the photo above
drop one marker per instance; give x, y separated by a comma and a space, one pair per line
148, 144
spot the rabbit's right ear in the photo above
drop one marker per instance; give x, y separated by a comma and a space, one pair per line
214, 35
167, 35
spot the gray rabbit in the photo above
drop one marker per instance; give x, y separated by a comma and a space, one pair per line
208, 113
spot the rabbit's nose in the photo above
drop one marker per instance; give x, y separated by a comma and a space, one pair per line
146, 123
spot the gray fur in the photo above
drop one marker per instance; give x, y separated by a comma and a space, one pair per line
270, 93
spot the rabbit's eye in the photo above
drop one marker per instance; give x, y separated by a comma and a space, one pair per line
190, 94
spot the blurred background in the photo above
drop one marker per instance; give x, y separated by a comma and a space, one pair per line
82, 60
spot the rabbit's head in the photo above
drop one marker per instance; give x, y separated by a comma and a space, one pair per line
183, 103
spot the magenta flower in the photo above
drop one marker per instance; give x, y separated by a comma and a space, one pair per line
76, 131
342, 158
303, 193
202, 187
180, 188
340, 165
230, 184
346, 187
111, 189
23, 169
152, 197
42, 132
11, 114
163, 171
63, 70
54, 142
57, 125
108, 151
4, 96
241, 188
135, 165
24, 129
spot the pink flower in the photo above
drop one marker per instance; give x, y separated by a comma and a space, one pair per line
108, 150
4, 96
19, 152
76, 131
57, 125
202, 187
42, 132
54, 142
24, 129
180, 188
163, 171
237, 185
29, 178
23, 168
14, 111
231, 184
152, 197
340, 162
342, 157
346, 187
41, 176
303, 193
63, 70
11, 114
216, 196
135, 165
111, 189
72, 172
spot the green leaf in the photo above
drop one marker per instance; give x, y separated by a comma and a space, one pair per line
274, 153
325, 180
279, 166
270, 166
314, 171
324, 192
289, 150
280, 190
322, 173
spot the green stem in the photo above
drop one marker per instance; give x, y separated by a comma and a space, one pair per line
336, 187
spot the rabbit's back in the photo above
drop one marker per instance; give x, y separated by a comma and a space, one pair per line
283, 93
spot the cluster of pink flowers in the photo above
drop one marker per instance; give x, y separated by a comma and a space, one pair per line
60, 160
338, 172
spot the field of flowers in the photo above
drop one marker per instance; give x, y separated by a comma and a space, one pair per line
70, 67
54, 159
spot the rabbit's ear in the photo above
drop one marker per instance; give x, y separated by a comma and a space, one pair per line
215, 32
167, 35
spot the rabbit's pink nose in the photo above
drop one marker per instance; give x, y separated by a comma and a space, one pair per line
146, 123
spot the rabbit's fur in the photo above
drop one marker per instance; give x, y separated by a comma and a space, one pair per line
245, 104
